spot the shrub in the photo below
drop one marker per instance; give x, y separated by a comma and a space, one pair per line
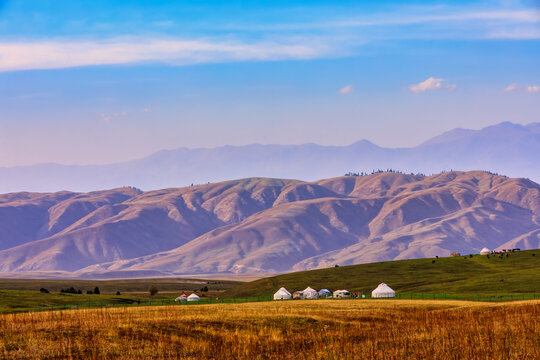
118, 293
96, 291
70, 290
43, 290
152, 290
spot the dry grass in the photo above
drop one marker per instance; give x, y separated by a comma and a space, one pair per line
348, 329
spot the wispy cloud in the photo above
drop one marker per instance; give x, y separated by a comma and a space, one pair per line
147, 110
412, 22
511, 87
109, 117
63, 54
346, 90
431, 83
533, 88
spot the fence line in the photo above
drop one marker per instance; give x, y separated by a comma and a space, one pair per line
202, 301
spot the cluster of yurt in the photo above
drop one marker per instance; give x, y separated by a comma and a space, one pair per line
382, 291
184, 298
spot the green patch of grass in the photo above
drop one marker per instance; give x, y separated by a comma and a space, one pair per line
122, 285
22, 294
516, 274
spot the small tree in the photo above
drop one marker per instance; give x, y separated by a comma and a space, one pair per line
118, 293
152, 290
96, 290
43, 290
204, 289
89, 292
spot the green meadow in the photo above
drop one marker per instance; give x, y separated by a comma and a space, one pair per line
519, 273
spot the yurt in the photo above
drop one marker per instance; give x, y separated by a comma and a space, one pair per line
485, 251
383, 291
324, 292
282, 294
340, 294
297, 295
310, 293
193, 297
181, 298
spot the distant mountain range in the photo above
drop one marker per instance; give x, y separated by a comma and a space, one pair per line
261, 225
505, 148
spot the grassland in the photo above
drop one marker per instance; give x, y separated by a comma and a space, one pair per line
343, 329
122, 285
23, 295
516, 274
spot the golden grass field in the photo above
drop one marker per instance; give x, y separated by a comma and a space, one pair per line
320, 329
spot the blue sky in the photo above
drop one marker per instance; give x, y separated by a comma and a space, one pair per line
95, 82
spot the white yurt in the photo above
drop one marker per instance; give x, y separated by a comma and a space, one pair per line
310, 293
340, 294
324, 292
383, 291
485, 251
193, 297
282, 294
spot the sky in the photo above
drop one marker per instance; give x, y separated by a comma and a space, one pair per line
99, 82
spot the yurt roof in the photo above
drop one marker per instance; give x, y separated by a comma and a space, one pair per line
383, 288
283, 290
193, 296
309, 289
485, 249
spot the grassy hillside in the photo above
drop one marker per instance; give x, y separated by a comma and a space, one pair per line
122, 285
517, 273
23, 294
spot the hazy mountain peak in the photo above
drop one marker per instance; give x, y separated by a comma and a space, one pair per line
503, 148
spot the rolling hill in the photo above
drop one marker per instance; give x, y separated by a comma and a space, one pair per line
261, 225
479, 275
506, 148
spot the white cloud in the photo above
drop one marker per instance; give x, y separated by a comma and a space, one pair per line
511, 87
146, 110
533, 88
346, 90
431, 83
435, 22
64, 54
109, 117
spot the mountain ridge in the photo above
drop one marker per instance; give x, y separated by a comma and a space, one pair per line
504, 148
264, 225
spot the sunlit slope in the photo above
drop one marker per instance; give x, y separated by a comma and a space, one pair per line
261, 225
517, 273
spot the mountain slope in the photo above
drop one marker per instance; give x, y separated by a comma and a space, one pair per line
505, 148
259, 225
479, 275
